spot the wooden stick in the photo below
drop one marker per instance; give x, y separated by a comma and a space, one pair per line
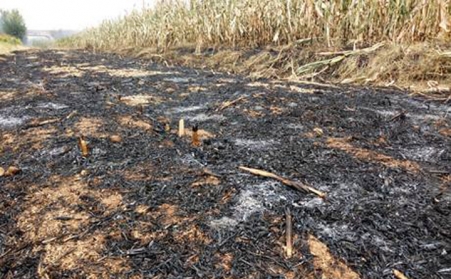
295, 184
209, 172
181, 127
70, 115
400, 115
289, 233
399, 275
36, 123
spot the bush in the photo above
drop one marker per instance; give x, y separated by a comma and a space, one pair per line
13, 24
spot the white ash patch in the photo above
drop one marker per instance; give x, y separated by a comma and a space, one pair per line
257, 198
254, 144
55, 152
14, 109
313, 203
223, 223
343, 189
336, 232
99, 152
426, 153
415, 117
402, 191
51, 106
431, 107
247, 205
204, 117
190, 160
422, 117
187, 109
226, 80
177, 79
378, 241
380, 111
292, 105
296, 126
254, 199
11, 122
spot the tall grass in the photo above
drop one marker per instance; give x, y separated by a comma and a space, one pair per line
256, 23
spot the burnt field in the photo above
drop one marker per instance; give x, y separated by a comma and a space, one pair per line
146, 203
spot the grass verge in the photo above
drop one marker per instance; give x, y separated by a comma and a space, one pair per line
9, 43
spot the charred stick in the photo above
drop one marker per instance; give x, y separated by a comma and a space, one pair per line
295, 184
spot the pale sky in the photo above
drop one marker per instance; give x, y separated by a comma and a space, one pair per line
70, 14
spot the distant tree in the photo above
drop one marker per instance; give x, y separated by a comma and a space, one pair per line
12, 23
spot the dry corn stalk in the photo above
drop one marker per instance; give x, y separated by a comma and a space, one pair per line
263, 22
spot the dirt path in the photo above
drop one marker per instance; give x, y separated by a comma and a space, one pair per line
144, 206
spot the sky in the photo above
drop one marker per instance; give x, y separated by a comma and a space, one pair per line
71, 14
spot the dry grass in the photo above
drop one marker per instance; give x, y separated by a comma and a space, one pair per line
367, 155
8, 44
279, 38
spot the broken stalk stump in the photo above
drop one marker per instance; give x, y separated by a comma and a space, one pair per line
289, 233
12, 170
399, 275
295, 184
83, 146
181, 127
195, 137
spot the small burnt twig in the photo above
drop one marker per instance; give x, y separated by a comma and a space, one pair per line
206, 171
401, 116
295, 184
70, 115
227, 104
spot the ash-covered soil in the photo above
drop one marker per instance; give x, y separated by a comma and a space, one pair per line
148, 204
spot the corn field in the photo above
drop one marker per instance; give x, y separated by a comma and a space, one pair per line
257, 23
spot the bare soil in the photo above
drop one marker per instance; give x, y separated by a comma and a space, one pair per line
146, 203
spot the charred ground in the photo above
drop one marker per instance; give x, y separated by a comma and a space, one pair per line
145, 206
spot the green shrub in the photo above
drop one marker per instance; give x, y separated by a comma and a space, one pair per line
12, 23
